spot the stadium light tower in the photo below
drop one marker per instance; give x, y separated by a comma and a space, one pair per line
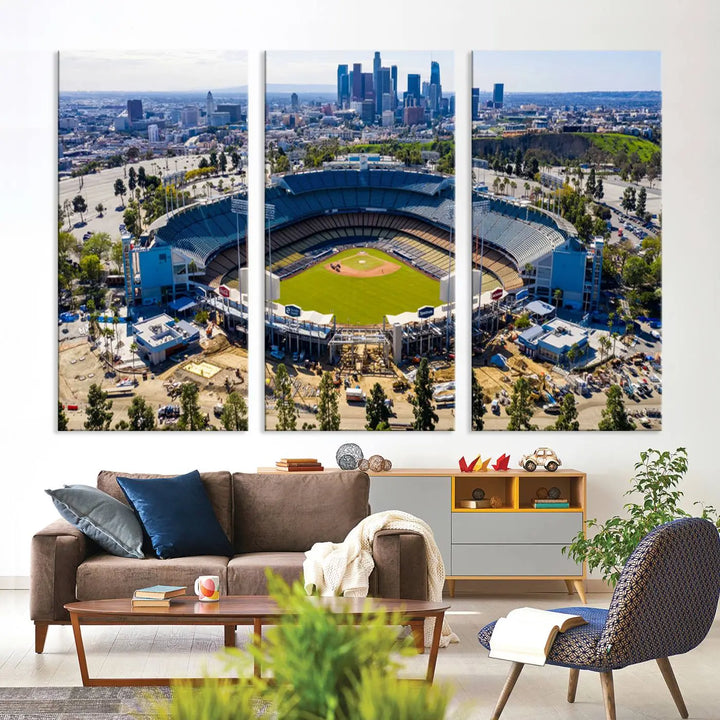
240, 207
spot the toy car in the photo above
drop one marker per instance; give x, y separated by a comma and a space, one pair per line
542, 456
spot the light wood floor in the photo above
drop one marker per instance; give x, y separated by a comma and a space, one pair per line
540, 693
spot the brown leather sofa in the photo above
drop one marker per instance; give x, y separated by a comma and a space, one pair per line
271, 520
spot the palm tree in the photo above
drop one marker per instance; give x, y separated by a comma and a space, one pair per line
513, 185
133, 349
604, 343
527, 188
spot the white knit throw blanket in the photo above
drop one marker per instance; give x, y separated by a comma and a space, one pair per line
344, 568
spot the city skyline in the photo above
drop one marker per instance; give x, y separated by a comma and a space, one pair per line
152, 71
285, 67
561, 71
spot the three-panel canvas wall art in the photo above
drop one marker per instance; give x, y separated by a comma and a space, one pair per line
357, 237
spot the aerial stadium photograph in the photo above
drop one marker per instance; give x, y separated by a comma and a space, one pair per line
567, 241
152, 308
359, 241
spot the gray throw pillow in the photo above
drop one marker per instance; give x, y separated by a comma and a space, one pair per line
110, 523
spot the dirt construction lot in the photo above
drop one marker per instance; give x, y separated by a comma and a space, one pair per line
79, 367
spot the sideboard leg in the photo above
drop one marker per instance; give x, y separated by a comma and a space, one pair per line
451, 587
580, 587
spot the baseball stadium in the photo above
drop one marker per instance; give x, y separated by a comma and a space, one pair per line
359, 251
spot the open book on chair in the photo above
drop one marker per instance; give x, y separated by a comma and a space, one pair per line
527, 634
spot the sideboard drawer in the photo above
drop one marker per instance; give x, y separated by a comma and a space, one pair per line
515, 527
513, 559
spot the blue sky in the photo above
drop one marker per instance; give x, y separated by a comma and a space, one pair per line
567, 70
313, 68
169, 70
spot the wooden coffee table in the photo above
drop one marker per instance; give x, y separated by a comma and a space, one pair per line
231, 611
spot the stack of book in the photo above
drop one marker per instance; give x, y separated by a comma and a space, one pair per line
551, 503
299, 465
157, 596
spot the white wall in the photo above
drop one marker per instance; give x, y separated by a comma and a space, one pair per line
37, 457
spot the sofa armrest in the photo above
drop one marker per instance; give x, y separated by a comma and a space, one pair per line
400, 565
56, 553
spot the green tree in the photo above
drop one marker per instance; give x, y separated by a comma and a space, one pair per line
522, 322
222, 162
641, 201
131, 218
91, 269
478, 406
79, 206
142, 178
377, 413
213, 158
628, 199
62, 417
100, 209
614, 416
116, 255
235, 157
599, 190
423, 408
99, 409
97, 244
141, 415
191, 417
284, 402
520, 409
120, 189
328, 415
567, 420
635, 272
234, 415
132, 154
591, 184
132, 179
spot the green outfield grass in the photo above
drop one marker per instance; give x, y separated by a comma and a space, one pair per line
360, 301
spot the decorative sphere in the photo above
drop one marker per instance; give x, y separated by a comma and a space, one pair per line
387, 465
348, 456
478, 494
376, 463
496, 501
541, 493
554, 493
364, 465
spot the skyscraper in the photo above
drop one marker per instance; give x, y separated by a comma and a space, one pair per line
294, 104
377, 63
498, 91
368, 86
435, 90
434, 73
342, 85
134, 110
209, 104
357, 82
475, 103
413, 85
394, 76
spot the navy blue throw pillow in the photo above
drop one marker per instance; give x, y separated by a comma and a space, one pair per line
177, 515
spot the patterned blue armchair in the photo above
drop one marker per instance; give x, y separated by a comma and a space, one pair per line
664, 604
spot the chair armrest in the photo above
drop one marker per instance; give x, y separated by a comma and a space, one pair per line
400, 565
56, 553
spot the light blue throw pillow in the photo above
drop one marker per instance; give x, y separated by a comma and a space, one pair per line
110, 523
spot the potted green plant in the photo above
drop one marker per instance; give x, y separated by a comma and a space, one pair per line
656, 480
324, 667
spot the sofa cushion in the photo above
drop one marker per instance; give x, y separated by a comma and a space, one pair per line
216, 484
106, 576
293, 511
246, 573
177, 515
110, 523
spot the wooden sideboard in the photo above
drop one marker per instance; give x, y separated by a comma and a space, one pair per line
511, 541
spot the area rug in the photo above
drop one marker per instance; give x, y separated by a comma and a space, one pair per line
76, 703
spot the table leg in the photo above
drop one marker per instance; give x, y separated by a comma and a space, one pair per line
437, 631
80, 649
257, 641
418, 632
230, 635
